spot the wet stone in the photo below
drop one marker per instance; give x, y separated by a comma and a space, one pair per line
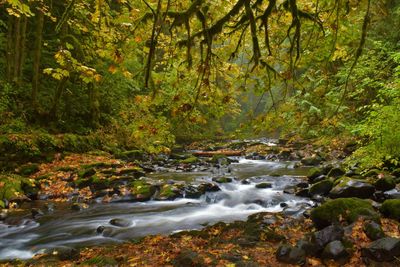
335, 250
263, 185
120, 222
327, 235
384, 249
373, 230
291, 255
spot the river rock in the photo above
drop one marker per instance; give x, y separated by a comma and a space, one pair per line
303, 192
321, 188
192, 191
311, 161
335, 210
79, 206
65, 253
391, 208
336, 172
392, 194
188, 258
291, 255
3, 215
347, 187
385, 183
328, 234
335, 251
120, 222
384, 249
319, 179
373, 230
263, 185
208, 187
222, 180
314, 173
36, 212
309, 247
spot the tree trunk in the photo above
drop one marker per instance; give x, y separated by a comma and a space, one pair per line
24, 22
36, 58
10, 49
17, 52
60, 89
94, 105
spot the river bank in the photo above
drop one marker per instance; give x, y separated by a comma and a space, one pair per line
87, 205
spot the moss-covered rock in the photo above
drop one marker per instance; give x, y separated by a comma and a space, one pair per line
141, 190
321, 188
220, 159
385, 183
314, 173
190, 160
169, 192
391, 208
28, 169
348, 187
348, 209
222, 179
12, 187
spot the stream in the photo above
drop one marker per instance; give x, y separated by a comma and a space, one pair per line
22, 237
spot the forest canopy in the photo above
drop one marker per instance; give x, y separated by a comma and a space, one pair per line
147, 73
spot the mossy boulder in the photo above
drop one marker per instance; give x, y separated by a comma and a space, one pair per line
169, 192
347, 209
220, 159
13, 187
142, 191
314, 173
385, 183
391, 208
190, 160
348, 187
222, 179
28, 169
321, 188
311, 161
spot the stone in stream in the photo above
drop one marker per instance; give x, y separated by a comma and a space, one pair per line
321, 188
384, 249
263, 185
79, 206
291, 255
373, 230
336, 172
36, 212
120, 222
335, 250
314, 173
208, 187
311, 161
346, 187
222, 180
385, 183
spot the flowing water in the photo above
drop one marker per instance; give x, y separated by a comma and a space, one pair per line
235, 201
